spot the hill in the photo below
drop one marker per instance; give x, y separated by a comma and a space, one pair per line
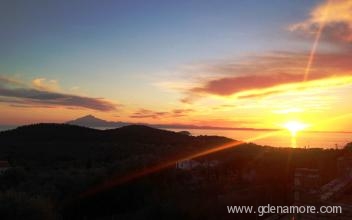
42, 142
44, 132
130, 170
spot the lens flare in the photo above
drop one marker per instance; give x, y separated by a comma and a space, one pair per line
117, 180
315, 44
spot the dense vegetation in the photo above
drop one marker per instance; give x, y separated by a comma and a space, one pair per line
55, 164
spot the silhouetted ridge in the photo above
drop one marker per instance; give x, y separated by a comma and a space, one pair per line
145, 134
92, 121
51, 132
45, 132
42, 143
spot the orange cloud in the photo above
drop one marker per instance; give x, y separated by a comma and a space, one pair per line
266, 75
335, 15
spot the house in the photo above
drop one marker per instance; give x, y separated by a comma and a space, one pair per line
4, 165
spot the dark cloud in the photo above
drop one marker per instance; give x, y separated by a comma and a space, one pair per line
336, 32
33, 97
145, 113
335, 19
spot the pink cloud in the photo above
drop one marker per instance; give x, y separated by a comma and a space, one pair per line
266, 72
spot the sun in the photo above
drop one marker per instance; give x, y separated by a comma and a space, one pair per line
294, 126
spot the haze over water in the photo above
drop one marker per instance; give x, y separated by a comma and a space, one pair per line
283, 139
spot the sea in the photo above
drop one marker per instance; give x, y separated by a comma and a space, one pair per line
302, 139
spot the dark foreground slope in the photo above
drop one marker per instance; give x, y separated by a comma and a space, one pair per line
53, 165
44, 142
46, 132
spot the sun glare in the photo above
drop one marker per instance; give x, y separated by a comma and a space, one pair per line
294, 126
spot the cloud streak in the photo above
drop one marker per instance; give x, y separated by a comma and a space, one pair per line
146, 113
271, 74
17, 94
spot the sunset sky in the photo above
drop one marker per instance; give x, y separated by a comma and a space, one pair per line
255, 64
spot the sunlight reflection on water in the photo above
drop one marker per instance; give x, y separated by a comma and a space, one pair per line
283, 139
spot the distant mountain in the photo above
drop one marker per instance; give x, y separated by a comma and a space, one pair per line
94, 122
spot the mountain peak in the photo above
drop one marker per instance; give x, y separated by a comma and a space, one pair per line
94, 122
89, 117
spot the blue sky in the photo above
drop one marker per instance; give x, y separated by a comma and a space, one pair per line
62, 38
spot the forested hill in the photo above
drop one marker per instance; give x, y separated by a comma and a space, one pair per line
64, 132
71, 142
